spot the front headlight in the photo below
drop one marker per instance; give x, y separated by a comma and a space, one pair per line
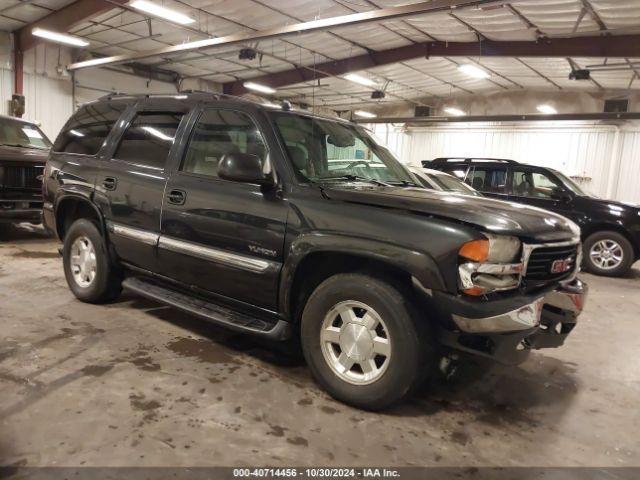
490, 264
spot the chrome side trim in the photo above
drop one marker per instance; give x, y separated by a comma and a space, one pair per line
144, 236
207, 253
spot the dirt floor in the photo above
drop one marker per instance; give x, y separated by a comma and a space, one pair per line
136, 383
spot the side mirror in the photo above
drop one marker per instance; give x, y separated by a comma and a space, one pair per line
243, 167
561, 195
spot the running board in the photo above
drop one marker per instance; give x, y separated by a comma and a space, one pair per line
231, 319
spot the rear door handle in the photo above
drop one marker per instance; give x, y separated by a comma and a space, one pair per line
110, 183
177, 197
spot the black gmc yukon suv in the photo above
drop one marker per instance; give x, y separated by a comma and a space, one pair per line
281, 223
610, 229
23, 153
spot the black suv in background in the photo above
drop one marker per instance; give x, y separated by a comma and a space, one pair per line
610, 229
281, 223
23, 153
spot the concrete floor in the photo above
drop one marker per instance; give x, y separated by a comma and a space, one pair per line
135, 383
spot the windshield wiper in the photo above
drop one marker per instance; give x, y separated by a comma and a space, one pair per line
404, 183
20, 145
357, 178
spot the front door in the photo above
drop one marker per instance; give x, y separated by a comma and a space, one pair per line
130, 187
540, 189
221, 236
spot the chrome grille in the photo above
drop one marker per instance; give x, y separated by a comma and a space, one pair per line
539, 268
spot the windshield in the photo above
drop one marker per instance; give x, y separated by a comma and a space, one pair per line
20, 134
452, 184
572, 185
325, 150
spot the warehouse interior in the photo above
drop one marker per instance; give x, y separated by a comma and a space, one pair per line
134, 383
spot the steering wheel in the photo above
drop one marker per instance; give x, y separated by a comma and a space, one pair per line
358, 162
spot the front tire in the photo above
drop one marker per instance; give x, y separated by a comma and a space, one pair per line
87, 268
361, 341
608, 253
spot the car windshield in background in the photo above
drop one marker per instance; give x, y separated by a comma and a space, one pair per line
19, 134
572, 185
330, 151
452, 184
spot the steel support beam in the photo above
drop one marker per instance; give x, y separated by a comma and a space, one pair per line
381, 15
601, 46
63, 19
505, 118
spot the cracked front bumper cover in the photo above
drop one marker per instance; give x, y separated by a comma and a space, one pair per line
508, 337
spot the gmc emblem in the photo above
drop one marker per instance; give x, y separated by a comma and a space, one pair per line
561, 266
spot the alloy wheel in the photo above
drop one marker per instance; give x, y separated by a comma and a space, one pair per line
606, 254
355, 342
83, 261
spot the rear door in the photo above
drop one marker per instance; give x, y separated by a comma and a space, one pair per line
491, 180
221, 236
131, 184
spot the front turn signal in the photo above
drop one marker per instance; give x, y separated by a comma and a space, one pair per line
476, 250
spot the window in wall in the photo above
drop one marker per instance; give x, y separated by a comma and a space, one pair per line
217, 133
533, 184
87, 130
488, 179
149, 138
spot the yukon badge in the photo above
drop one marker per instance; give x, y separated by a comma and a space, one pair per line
262, 251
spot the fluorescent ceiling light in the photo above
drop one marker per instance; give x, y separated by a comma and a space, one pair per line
365, 114
59, 37
454, 111
354, 77
162, 12
473, 71
547, 109
76, 133
259, 87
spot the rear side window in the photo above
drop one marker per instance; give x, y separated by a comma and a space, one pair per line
148, 139
87, 130
488, 179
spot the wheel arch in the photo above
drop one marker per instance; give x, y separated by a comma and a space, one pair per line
73, 207
603, 227
314, 258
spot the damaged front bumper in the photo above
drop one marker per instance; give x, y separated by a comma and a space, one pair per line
507, 330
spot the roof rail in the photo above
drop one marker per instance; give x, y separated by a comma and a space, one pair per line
114, 94
442, 160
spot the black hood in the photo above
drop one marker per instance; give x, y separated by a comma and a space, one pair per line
19, 155
494, 216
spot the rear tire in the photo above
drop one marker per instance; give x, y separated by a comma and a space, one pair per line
87, 267
361, 341
608, 253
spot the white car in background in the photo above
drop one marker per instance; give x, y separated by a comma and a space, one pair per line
438, 180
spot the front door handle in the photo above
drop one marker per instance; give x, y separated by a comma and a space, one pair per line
110, 183
177, 197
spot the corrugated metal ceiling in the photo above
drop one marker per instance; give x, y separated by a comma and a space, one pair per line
124, 31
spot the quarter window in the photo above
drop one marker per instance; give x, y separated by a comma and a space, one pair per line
87, 130
148, 139
217, 133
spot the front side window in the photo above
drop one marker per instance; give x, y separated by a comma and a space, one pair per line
487, 179
21, 134
533, 184
325, 150
87, 130
217, 133
148, 139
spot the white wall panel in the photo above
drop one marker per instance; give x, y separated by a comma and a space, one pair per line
47, 101
628, 181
